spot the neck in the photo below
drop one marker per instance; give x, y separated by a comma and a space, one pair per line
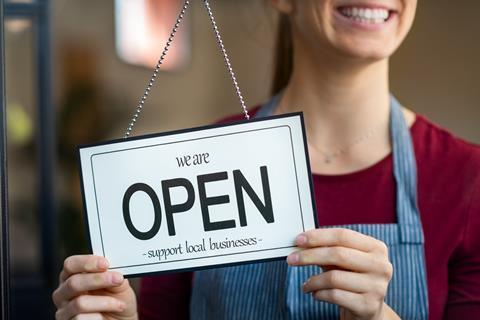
340, 99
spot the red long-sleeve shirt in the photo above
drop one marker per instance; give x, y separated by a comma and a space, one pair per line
449, 203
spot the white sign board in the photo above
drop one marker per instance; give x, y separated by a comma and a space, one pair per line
194, 198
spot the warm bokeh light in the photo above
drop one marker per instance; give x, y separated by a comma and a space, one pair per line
142, 28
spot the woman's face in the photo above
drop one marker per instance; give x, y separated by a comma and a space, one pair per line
361, 29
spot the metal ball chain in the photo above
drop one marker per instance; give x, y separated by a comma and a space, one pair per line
164, 53
155, 71
227, 61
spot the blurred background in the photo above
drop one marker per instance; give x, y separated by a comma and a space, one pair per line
75, 70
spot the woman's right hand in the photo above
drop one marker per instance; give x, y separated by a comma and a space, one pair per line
87, 290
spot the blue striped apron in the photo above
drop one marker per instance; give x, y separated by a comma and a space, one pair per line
273, 290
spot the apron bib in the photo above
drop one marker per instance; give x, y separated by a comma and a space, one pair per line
273, 290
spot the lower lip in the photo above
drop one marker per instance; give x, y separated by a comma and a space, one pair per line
364, 25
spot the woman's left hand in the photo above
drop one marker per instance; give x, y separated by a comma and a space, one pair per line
357, 271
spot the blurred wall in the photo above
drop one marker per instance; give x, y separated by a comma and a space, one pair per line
197, 95
435, 72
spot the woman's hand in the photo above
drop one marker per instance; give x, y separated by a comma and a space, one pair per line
88, 291
356, 271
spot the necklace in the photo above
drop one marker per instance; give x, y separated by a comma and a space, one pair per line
329, 157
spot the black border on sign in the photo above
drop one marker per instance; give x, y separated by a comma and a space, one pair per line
312, 196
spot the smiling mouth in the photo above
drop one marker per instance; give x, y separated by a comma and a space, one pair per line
366, 15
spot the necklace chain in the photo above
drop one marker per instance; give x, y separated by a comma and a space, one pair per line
328, 157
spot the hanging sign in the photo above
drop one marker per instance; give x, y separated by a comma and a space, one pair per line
194, 198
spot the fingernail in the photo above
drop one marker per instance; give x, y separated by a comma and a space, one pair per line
301, 239
304, 287
102, 264
293, 258
117, 278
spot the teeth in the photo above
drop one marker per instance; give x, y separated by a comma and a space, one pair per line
366, 15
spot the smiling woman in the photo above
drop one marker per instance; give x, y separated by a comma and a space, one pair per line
400, 217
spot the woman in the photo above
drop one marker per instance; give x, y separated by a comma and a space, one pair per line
389, 257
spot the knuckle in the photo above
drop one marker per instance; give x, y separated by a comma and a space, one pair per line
333, 278
79, 305
383, 248
107, 302
387, 270
58, 314
342, 234
112, 303
95, 316
71, 284
339, 255
335, 295
61, 276
55, 297
67, 264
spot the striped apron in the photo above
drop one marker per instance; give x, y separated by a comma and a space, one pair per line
273, 290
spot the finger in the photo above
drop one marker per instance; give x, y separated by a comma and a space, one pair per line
340, 257
342, 298
88, 316
329, 237
345, 280
80, 283
88, 304
59, 315
82, 263
354, 302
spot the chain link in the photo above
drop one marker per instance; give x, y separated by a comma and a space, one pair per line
227, 61
155, 71
185, 6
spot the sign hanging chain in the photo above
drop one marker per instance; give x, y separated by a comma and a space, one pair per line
164, 53
227, 61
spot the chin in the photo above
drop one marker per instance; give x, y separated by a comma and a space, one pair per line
366, 51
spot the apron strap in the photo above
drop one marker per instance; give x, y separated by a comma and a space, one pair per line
405, 172
268, 107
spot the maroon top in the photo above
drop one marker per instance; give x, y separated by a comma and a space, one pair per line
449, 202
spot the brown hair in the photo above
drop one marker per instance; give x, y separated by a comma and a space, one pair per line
283, 55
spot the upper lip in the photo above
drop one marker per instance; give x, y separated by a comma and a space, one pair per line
366, 4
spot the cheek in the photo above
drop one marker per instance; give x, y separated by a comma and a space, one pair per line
312, 20
406, 21
408, 16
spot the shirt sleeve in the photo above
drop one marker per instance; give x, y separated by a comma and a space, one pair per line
464, 269
165, 297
